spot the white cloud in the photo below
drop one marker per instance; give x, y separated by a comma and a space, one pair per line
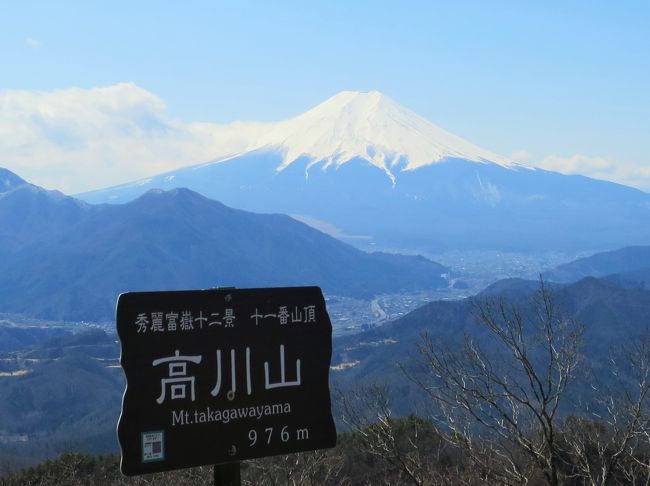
577, 164
634, 175
521, 157
77, 139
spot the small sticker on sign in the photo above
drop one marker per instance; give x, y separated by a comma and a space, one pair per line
153, 446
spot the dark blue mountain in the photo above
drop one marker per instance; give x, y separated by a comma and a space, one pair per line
64, 259
613, 316
9, 180
633, 262
452, 204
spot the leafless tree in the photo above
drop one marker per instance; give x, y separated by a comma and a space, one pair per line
407, 450
610, 443
306, 468
499, 395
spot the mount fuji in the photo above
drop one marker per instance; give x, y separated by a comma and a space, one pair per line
365, 169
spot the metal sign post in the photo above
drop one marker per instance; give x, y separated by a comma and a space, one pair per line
223, 375
227, 474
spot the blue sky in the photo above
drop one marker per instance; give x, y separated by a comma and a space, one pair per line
564, 85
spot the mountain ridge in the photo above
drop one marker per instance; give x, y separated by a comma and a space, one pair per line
619, 262
72, 263
614, 316
433, 208
9, 180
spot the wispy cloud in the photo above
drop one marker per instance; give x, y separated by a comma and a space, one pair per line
521, 157
607, 168
33, 43
577, 164
80, 139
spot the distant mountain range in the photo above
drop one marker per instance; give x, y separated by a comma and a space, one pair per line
368, 170
613, 315
64, 259
67, 398
631, 264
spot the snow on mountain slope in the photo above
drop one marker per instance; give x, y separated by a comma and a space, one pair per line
368, 126
399, 181
373, 127
349, 126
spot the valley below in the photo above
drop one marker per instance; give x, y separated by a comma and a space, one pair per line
61, 382
462, 288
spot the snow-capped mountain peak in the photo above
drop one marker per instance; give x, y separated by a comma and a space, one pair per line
477, 200
369, 126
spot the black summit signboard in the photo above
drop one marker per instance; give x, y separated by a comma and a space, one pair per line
222, 375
